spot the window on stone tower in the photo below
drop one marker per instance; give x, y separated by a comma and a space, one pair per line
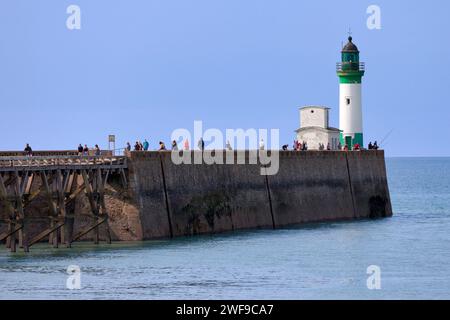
348, 101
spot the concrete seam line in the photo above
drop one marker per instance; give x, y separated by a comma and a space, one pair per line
166, 196
351, 186
270, 200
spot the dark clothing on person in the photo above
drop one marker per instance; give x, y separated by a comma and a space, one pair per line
305, 146
201, 144
375, 146
28, 150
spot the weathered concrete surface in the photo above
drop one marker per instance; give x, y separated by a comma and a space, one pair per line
370, 189
311, 186
215, 198
147, 187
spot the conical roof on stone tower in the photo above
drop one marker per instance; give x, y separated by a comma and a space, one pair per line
350, 46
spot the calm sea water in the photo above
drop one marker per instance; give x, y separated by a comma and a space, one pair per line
323, 261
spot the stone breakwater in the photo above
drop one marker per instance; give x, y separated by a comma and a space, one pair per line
171, 200
163, 199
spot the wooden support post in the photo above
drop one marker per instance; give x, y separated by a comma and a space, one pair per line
69, 181
10, 211
44, 234
101, 193
29, 184
92, 202
33, 195
53, 237
72, 190
12, 237
60, 184
20, 216
124, 178
9, 230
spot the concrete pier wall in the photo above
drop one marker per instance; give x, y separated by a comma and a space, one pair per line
311, 186
187, 199
163, 200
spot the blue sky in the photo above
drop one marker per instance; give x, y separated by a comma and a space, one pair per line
142, 68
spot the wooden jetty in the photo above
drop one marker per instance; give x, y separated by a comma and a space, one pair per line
56, 178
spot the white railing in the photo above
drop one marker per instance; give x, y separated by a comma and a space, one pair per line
350, 66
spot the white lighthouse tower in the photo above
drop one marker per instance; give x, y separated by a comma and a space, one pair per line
350, 72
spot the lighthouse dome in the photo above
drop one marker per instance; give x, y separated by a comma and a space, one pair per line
350, 46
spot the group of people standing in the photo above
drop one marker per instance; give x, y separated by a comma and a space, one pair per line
84, 151
297, 146
143, 146
322, 147
373, 146
303, 146
138, 146
300, 146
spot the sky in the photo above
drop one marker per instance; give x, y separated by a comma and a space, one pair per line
143, 68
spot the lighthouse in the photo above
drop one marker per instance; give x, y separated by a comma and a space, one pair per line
350, 72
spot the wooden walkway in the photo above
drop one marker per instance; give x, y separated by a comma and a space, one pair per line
59, 180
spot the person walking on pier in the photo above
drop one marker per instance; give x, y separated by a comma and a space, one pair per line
128, 148
162, 146
80, 149
97, 150
28, 150
328, 147
85, 150
146, 145
174, 145
137, 146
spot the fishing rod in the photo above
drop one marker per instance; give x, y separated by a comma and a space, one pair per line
386, 136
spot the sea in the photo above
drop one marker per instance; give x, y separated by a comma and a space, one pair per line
403, 257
